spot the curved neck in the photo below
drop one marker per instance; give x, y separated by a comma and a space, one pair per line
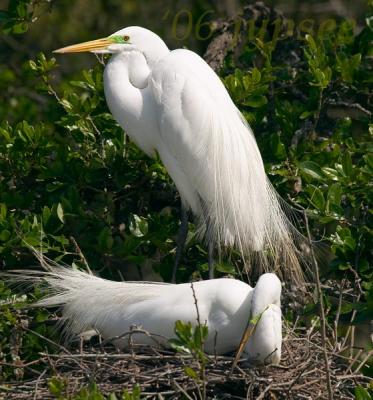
154, 52
128, 66
125, 82
267, 291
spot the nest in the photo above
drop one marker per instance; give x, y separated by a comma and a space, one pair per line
159, 373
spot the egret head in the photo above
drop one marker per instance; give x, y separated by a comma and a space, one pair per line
132, 38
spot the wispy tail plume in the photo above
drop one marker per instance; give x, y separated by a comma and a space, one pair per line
242, 209
87, 301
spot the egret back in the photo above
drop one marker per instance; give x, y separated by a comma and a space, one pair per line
149, 310
115, 308
211, 153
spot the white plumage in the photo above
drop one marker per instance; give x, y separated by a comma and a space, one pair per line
112, 308
173, 103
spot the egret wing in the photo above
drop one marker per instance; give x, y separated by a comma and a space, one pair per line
212, 155
204, 137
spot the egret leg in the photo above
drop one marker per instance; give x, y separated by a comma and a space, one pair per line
211, 259
181, 239
210, 250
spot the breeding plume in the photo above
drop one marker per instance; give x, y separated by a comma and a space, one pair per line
172, 103
113, 308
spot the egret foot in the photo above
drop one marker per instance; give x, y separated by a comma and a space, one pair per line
181, 239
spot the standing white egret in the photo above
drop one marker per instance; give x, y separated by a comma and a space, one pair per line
172, 103
114, 308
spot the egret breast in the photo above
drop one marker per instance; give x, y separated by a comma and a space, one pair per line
127, 96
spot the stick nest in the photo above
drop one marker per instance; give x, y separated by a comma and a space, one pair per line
164, 374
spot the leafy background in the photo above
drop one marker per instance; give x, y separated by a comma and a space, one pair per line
72, 183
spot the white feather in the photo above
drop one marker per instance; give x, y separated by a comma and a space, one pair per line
186, 115
113, 308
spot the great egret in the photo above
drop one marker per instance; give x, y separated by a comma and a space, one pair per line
172, 103
113, 308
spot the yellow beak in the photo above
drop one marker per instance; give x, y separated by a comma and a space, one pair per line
99, 44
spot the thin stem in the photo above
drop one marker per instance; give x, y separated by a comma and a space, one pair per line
200, 360
81, 255
322, 312
318, 110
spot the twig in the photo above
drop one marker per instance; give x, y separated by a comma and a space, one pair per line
37, 383
64, 349
261, 396
298, 376
201, 362
182, 390
357, 355
322, 312
81, 255
336, 319
365, 359
134, 329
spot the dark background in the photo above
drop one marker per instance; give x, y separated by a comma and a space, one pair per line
63, 22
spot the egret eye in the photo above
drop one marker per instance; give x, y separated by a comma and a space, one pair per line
126, 38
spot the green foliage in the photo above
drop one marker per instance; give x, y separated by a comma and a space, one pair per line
315, 133
318, 63
362, 393
58, 388
134, 395
20, 14
191, 340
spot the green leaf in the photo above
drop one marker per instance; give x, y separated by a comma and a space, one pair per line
305, 114
330, 173
317, 197
335, 194
225, 268
105, 239
347, 164
311, 42
60, 214
362, 394
47, 213
311, 169
350, 242
56, 386
4, 235
3, 211
32, 65
278, 148
21, 10
200, 335
183, 330
179, 346
255, 101
256, 75
138, 226
20, 28
191, 373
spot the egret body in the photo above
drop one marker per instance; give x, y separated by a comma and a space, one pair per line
113, 308
172, 103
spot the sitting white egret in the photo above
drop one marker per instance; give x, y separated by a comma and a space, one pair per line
113, 308
172, 103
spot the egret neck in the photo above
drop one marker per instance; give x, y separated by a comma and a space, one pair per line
267, 292
126, 85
